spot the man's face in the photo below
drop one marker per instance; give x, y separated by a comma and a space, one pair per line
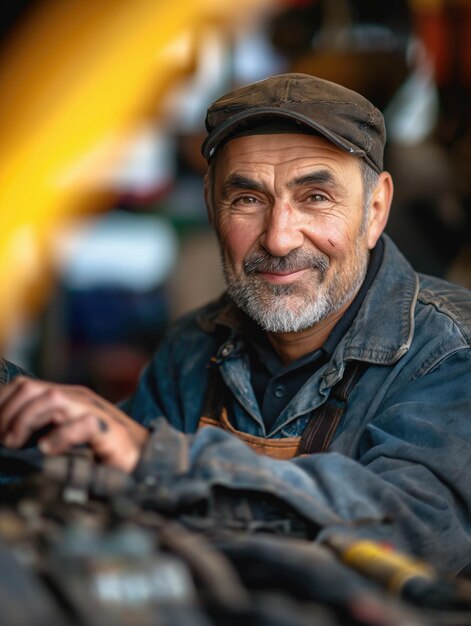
289, 214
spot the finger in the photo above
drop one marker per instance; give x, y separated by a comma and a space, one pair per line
21, 430
109, 440
105, 407
66, 435
10, 388
53, 404
14, 396
50, 406
115, 443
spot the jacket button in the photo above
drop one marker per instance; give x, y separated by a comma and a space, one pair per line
279, 391
227, 349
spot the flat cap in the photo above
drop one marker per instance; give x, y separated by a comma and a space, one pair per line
341, 115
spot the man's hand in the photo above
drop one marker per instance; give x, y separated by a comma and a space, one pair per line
76, 414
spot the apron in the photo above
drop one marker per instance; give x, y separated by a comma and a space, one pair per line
317, 434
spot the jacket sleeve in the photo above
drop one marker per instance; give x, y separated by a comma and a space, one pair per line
148, 402
173, 383
409, 485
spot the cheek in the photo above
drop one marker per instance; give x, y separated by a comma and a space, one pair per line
335, 238
237, 237
330, 240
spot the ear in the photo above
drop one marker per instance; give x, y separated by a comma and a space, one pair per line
379, 208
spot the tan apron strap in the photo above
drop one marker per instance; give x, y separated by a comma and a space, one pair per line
285, 448
205, 420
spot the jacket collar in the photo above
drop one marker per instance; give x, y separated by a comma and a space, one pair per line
221, 313
383, 329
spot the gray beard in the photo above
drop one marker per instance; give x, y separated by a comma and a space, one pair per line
290, 308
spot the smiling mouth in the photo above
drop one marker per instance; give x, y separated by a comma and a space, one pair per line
282, 277
288, 269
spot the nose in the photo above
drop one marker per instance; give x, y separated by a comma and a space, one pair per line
282, 232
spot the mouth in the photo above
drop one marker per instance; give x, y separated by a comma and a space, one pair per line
294, 267
282, 278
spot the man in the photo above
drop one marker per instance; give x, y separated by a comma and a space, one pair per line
336, 378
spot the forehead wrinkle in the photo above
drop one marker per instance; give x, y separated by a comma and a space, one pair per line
273, 147
276, 156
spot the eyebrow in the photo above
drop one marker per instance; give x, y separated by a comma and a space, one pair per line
237, 181
322, 177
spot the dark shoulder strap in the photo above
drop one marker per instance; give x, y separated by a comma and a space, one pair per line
323, 424
214, 396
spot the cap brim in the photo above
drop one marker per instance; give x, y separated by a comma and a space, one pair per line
235, 122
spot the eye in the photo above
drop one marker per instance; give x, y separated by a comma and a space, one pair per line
246, 201
316, 197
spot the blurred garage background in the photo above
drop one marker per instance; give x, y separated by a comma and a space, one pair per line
103, 232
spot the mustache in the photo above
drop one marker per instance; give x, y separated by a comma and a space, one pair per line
263, 261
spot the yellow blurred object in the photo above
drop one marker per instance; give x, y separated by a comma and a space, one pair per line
75, 79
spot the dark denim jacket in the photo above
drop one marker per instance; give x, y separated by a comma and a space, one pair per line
399, 466
9, 371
